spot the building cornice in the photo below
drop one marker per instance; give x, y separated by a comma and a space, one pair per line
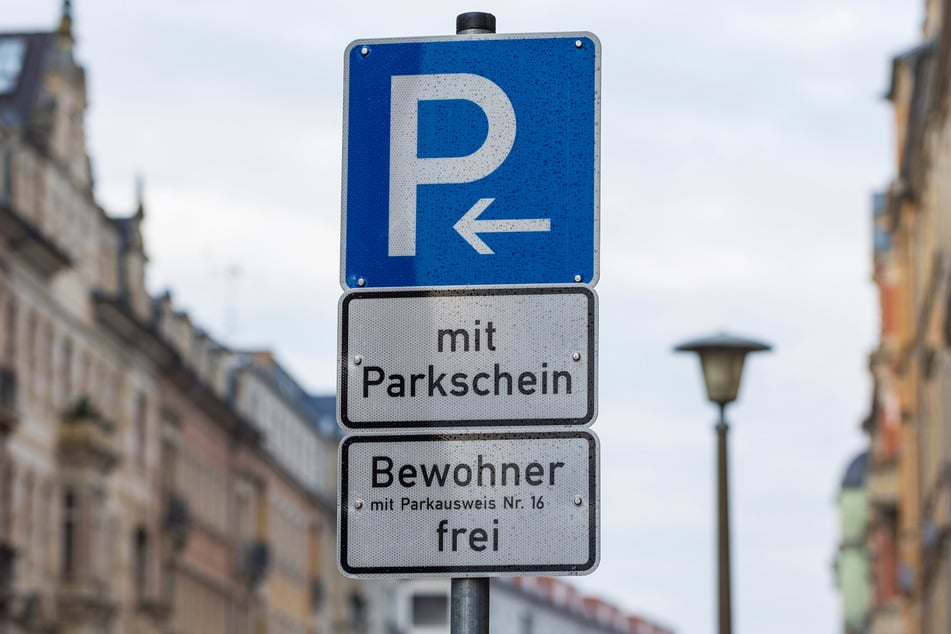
29, 241
117, 315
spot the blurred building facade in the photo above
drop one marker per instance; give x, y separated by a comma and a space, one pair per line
908, 484
151, 479
520, 605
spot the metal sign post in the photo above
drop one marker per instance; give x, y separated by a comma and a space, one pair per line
469, 598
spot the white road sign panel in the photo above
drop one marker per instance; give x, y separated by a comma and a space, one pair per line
468, 505
468, 357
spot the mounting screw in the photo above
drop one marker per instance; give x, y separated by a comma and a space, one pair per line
577, 278
364, 51
578, 44
357, 360
574, 355
363, 282
358, 504
578, 500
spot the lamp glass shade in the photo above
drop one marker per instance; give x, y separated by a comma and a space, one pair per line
722, 370
721, 359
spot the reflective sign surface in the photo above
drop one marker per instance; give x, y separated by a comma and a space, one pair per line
471, 160
422, 505
468, 357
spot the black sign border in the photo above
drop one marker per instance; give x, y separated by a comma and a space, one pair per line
344, 356
509, 570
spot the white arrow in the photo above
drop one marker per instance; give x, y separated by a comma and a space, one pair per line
469, 226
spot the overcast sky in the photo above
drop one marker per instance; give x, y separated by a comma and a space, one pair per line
741, 143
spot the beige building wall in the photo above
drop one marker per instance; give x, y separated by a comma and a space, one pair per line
78, 466
150, 480
912, 367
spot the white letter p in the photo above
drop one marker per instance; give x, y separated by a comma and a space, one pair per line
407, 170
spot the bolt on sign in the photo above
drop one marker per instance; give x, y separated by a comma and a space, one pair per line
471, 504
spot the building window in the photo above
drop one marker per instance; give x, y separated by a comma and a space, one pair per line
245, 515
85, 373
169, 463
31, 345
66, 380
70, 517
47, 546
46, 370
26, 517
114, 392
358, 611
140, 561
430, 609
6, 498
141, 429
10, 345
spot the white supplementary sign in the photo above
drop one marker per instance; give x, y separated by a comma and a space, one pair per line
468, 357
506, 503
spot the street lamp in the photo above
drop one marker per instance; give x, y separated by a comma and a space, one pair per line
721, 359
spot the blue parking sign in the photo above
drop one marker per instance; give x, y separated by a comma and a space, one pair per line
471, 160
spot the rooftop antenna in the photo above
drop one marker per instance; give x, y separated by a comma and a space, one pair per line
66, 19
139, 195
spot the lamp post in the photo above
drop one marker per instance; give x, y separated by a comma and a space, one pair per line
721, 360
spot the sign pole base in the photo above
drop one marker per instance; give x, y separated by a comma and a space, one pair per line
469, 606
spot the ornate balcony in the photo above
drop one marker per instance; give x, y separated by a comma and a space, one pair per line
86, 438
26, 239
85, 600
153, 608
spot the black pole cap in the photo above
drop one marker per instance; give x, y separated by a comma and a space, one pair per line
475, 22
